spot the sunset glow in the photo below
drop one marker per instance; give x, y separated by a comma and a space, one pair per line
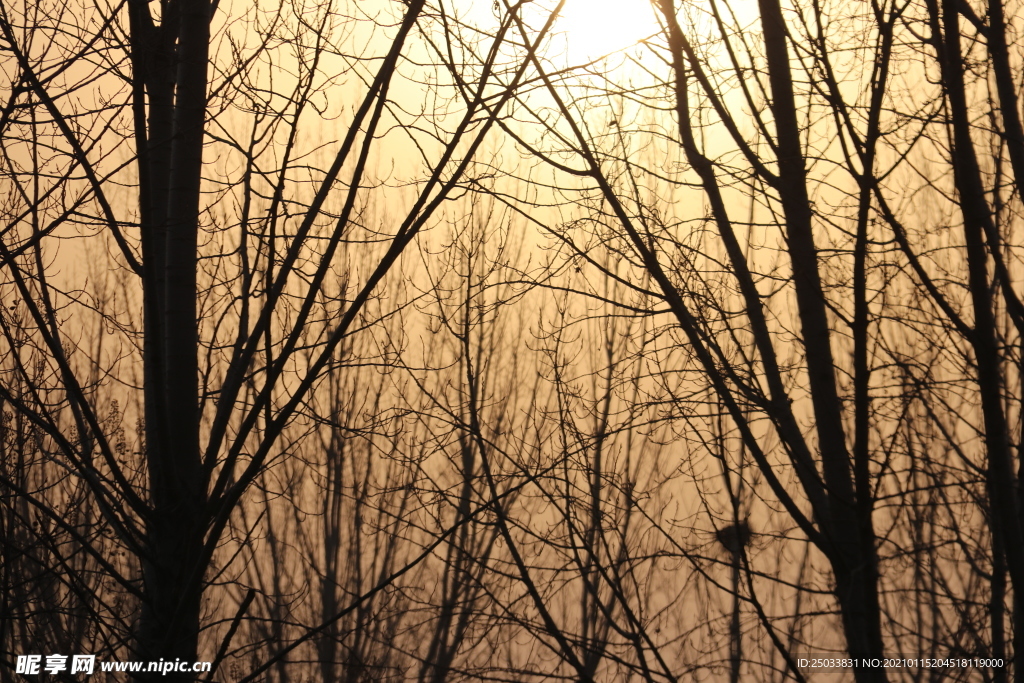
592, 29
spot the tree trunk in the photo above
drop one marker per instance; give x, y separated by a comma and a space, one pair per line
174, 62
850, 536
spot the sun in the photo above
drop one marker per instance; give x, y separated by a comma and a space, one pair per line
591, 29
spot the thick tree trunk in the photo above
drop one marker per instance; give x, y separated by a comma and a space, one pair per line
173, 59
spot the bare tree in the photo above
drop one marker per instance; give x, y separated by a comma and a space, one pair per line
710, 359
185, 145
779, 228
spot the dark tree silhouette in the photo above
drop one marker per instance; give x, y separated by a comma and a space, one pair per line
792, 227
361, 341
172, 141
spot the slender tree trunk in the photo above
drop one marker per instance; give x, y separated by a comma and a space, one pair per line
1013, 133
849, 534
977, 224
735, 636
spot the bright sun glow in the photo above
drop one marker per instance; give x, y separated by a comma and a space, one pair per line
593, 28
